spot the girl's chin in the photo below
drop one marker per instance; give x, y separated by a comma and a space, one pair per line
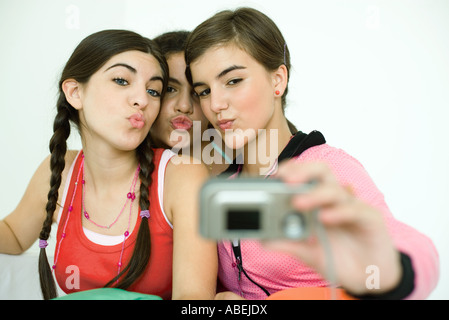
238, 140
131, 144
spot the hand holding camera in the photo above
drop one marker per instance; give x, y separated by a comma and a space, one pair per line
289, 208
356, 232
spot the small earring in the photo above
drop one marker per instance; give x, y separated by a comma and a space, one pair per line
277, 92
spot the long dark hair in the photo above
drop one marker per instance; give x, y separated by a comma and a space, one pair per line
88, 57
249, 29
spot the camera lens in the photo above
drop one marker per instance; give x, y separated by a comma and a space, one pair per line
293, 225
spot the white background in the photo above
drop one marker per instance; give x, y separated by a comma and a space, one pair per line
373, 76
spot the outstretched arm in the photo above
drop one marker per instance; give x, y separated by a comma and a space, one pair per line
361, 230
21, 228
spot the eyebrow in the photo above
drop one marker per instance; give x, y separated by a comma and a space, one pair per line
227, 70
157, 78
221, 74
133, 70
174, 80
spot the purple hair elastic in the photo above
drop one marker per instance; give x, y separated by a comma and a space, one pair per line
43, 244
145, 213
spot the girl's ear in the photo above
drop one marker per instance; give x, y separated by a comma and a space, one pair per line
71, 89
280, 80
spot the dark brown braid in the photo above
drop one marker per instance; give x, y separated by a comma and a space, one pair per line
58, 149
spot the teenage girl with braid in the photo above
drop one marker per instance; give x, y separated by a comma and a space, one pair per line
125, 212
239, 66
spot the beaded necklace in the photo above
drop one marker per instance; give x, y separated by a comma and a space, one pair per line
130, 197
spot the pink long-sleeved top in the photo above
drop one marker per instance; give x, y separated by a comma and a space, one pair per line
276, 271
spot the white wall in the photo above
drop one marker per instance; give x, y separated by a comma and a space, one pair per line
373, 76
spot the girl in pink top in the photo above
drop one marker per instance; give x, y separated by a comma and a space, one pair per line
238, 63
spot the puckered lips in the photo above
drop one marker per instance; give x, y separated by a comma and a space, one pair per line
137, 121
225, 124
181, 123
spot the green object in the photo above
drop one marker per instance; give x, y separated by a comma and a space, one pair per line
108, 294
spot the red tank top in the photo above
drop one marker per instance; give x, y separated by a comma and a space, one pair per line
95, 265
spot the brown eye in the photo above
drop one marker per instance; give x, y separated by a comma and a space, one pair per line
234, 81
170, 89
204, 93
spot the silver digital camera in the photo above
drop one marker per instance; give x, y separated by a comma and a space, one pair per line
252, 208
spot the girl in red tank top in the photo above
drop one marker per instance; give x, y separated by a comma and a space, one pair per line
126, 212
82, 264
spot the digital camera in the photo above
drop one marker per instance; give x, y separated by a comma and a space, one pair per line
252, 208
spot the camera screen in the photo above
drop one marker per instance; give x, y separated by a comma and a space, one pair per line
243, 219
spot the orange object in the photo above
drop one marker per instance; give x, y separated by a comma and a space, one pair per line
310, 293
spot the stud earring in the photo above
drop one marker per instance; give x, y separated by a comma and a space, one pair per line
277, 92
